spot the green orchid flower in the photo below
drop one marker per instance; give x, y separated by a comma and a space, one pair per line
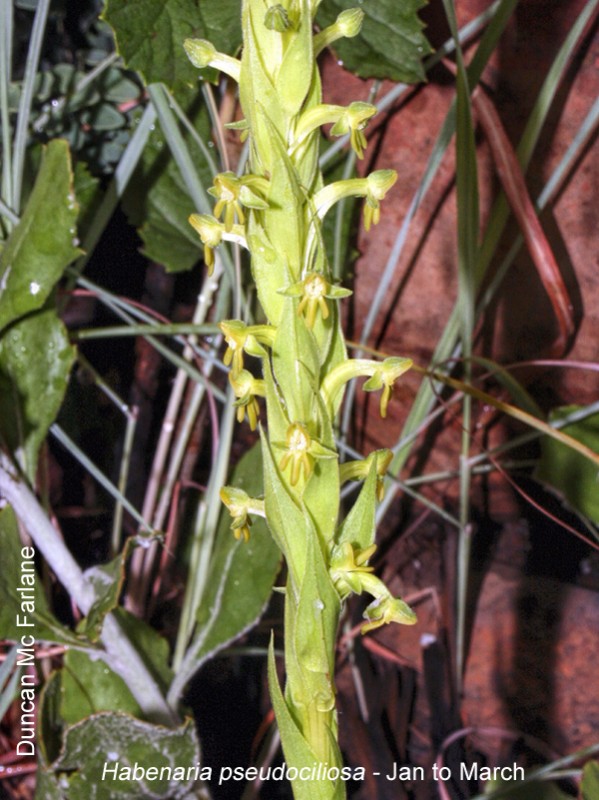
247, 389
242, 338
212, 233
301, 450
240, 506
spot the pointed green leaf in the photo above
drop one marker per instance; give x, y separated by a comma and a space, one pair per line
295, 364
43, 243
358, 528
321, 494
277, 420
107, 581
150, 645
296, 71
316, 620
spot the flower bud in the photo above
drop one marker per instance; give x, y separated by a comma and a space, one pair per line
349, 22
277, 19
200, 52
203, 53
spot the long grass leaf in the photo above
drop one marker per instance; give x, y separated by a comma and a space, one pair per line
96, 473
467, 229
6, 32
22, 127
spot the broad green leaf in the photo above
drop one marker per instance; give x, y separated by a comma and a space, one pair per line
590, 781
18, 615
150, 34
89, 196
243, 572
572, 475
43, 244
113, 740
35, 361
391, 43
89, 686
358, 528
150, 645
47, 786
295, 747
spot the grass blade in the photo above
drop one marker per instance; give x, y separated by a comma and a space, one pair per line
20, 142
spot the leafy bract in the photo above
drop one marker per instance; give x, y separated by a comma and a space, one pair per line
43, 243
358, 528
316, 595
391, 43
288, 524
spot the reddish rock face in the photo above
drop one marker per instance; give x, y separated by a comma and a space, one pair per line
522, 672
520, 324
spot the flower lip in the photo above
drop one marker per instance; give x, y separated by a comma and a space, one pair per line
298, 443
246, 389
314, 291
301, 450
